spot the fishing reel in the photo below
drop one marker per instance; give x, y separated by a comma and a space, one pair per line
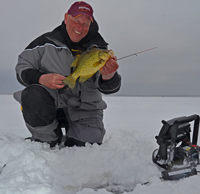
177, 154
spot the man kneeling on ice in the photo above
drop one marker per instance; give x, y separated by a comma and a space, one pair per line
43, 66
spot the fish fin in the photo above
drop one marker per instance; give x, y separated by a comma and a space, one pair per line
82, 79
70, 81
96, 64
99, 63
100, 70
74, 63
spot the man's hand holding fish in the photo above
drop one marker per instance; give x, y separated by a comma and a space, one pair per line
110, 68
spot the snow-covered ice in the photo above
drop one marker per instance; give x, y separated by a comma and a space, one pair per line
120, 165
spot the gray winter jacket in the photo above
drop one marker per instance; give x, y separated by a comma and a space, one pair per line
52, 53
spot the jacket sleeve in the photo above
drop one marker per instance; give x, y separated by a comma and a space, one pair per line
28, 67
110, 86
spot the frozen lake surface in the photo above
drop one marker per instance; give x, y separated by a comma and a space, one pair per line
120, 165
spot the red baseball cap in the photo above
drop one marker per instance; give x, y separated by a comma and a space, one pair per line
79, 8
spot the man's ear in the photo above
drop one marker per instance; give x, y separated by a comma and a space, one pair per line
66, 18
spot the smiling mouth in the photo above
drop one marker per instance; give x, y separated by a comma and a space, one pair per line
77, 32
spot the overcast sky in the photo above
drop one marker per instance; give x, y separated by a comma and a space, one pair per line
129, 26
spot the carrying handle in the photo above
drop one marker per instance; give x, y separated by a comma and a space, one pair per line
188, 119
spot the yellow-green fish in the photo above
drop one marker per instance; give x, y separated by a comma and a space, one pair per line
87, 64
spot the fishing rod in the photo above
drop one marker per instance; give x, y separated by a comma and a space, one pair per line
136, 53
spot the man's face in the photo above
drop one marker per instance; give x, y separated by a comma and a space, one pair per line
77, 28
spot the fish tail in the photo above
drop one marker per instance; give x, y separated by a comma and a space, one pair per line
70, 81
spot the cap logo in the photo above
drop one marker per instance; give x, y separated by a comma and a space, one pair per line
81, 8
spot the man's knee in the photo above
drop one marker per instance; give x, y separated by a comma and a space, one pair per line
38, 106
86, 130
